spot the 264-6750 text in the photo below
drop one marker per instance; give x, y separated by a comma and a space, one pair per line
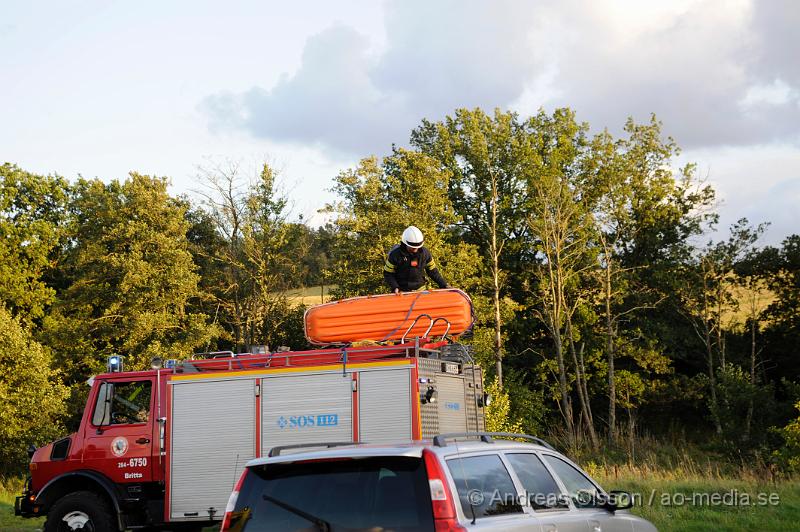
132, 462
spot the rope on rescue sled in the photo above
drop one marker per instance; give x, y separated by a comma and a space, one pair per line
408, 315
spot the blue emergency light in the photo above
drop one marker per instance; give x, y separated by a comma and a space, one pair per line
114, 364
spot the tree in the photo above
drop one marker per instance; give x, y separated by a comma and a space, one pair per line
783, 266
707, 297
488, 158
251, 252
377, 201
128, 279
751, 282
31, 394
560, 219
31, 223
644, 208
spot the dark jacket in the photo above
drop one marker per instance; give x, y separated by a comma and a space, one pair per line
406, 270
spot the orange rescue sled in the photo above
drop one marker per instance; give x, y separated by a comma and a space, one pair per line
388, 317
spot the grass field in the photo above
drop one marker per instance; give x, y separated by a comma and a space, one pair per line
782, 514
8, 522
312, 295
721, 504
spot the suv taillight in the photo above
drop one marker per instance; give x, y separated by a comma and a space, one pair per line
231, 506
444, 510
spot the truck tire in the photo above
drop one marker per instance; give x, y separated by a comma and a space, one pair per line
83, 510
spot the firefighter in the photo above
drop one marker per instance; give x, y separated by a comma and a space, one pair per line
408, 262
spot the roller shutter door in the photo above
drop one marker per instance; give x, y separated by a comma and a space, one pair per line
384, 406
306, 409
212, 438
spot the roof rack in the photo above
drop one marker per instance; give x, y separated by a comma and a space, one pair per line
212, 354
226, 360
487, 437
276, 451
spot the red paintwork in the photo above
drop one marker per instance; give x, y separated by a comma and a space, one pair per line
90, 451
416, 423
257, 452
167, 458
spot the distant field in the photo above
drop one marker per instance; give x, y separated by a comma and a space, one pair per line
747, 301
312, 295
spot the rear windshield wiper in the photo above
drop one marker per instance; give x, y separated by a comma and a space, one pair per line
323, 525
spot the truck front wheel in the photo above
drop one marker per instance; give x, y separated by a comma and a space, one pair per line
83, 510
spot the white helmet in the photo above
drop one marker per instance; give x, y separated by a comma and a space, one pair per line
412, 237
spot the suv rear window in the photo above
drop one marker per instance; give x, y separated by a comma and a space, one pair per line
384, 493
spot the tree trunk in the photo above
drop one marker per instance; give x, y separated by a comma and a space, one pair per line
566, 407
498, 339
612, 391
708, 330
632, 434
750, 406
582, 389
720, 334
713, 382
585, 385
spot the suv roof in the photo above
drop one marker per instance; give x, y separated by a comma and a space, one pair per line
443, 445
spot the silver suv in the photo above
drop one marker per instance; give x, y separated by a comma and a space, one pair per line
474, 481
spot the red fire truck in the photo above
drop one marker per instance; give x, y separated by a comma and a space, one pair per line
163, 448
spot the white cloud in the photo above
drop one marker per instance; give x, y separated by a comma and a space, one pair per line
330, 101
760, 183
694, 63
776, 93
348, 96
691, 66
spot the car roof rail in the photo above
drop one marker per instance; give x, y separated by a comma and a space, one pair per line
487, 437
276, 451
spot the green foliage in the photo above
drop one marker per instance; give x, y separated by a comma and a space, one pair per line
31, 394
528, 404
378, 201
488, 159
483, 337
130, 278
790, 453
498, 412
254, 254
31, 218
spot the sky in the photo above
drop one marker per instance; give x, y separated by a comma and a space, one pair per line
100, 89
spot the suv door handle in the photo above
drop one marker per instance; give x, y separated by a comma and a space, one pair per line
143, 440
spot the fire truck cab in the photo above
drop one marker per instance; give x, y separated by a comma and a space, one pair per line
163, 448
